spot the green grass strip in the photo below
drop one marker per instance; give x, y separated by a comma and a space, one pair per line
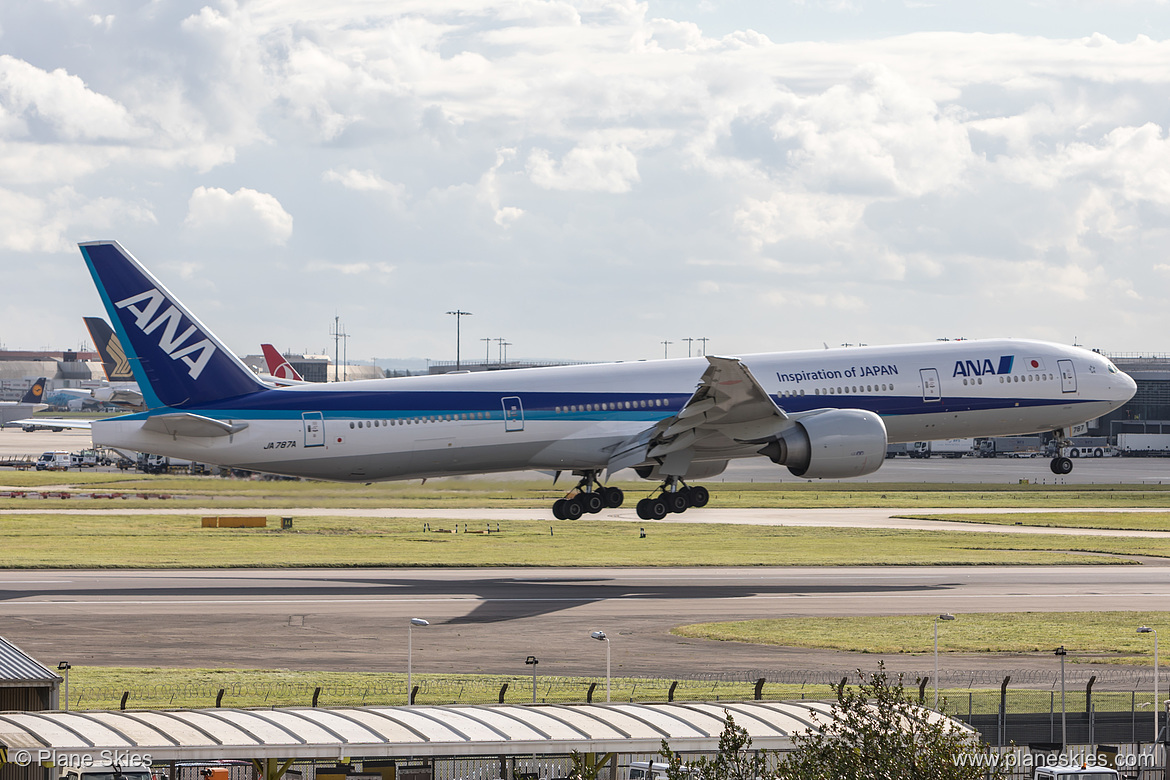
1109, 637
178, 541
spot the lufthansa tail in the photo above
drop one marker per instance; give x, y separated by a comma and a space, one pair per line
177, 361
36, 393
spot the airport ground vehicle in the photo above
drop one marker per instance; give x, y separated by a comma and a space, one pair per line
54, 460
105, 773
1144, 444
1074, 773
953, 448
1011, 447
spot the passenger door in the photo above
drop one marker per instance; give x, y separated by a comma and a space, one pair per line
931, 390
314, 423
513, 413
1068, 376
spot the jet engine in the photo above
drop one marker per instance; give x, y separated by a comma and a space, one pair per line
831, 444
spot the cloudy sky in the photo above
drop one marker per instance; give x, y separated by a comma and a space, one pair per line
591, 178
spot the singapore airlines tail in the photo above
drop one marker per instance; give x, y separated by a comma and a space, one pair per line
114, 360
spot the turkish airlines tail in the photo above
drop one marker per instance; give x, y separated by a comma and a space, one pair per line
278, 366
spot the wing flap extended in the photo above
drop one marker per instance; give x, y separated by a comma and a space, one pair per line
187, 424
729, 409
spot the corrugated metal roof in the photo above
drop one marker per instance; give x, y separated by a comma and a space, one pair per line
17, 668
419, 731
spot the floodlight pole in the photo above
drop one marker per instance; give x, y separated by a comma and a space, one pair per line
601, 637
944, 616
64, 667
531, 661
409, 656
1061, 653
1154, 631
459, 315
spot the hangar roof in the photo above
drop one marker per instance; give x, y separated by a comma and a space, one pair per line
418, 731
18, 669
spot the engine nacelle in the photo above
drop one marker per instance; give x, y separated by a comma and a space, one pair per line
832, 444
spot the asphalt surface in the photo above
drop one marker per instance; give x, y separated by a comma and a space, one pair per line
489, 620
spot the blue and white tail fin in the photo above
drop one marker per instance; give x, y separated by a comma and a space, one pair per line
177, 361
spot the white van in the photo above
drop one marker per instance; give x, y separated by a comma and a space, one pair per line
54, 460
105, 773
646, 770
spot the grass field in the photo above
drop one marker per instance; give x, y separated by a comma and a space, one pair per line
178, 541
1119, 521
114, 539
1109, 637
484, 492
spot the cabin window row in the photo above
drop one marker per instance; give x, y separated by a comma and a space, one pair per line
854, 389
614, 406
419, 420
1027, 378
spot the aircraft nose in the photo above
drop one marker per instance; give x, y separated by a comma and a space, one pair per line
1126, 387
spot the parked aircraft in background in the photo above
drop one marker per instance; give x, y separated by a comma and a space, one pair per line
822, 413
278, 366
122, 390
30, 403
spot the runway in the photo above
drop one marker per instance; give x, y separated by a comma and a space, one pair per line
489, 620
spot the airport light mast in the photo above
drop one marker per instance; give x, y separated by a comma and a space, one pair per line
459, 314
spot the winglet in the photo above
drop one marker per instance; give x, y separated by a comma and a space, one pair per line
175, 358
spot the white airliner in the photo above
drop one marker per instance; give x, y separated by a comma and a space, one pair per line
823, 413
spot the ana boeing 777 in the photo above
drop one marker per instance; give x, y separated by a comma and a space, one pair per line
820, 414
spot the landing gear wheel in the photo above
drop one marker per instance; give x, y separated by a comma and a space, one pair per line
1061, 465
699, 496
613, 497
591, 502
559, 509
643, 508
573, 509
676, 502
658, 508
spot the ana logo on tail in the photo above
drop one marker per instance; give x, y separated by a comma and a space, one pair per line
195, 355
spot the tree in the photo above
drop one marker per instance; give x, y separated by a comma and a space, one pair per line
878, 732
735, 760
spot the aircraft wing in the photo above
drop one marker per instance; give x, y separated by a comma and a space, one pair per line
730, 409
31, 424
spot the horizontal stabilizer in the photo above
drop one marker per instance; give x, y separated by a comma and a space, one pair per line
187, 424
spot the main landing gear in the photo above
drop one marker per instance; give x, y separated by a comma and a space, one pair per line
676, 497
589, 497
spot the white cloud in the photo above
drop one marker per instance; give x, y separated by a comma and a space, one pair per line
612, 169
748, 164
62, 102
220, 216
